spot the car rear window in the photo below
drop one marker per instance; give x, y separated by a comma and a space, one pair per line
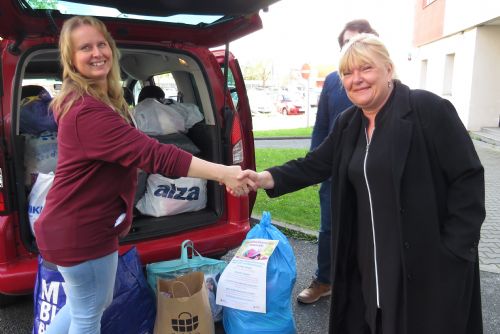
74, 8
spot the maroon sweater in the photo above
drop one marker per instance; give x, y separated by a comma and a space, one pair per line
95, 181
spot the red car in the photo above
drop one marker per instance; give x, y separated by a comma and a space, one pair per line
156, 41
288, 106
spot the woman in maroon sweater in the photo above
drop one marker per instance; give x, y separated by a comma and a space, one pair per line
90, 203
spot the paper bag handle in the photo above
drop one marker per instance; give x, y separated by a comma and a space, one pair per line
175, 283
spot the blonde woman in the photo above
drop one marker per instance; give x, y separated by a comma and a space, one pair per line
407, 204
90, 203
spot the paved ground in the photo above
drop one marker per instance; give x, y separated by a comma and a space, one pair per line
489, 247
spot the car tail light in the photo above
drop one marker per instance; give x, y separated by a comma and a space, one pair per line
3, 193
236, 141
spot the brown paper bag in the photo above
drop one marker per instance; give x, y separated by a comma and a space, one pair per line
182, 306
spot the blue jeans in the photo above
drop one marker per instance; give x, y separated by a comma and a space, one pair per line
89, 291
323, 273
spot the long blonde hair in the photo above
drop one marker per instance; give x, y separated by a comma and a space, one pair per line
75, 85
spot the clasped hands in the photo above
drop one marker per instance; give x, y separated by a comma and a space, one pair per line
240, 182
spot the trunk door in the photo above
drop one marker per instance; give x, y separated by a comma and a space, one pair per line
200, 22
237, 89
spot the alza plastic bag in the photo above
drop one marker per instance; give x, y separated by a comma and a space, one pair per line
281, 276
166, 197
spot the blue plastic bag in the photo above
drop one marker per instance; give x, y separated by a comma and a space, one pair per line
281, 275
36, 116
133, 310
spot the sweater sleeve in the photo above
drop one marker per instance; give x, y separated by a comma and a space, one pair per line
104, 135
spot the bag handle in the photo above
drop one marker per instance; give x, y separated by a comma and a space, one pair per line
175, 283
186, 244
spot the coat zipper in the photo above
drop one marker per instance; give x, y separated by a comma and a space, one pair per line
368, 141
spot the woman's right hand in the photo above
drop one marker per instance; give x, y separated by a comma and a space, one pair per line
262, 180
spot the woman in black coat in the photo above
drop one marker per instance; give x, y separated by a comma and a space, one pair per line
407, 202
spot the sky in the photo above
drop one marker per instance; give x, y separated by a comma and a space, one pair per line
305, 31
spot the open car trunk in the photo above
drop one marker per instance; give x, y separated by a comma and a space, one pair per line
187, 77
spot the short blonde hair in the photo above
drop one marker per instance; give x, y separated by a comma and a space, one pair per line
364, 49
74, 84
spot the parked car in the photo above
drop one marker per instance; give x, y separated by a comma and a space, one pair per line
152, 44
260, 102
289, 106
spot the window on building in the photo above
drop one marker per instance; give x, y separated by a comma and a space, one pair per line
423, 74
448, 74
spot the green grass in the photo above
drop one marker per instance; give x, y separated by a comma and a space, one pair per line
300, 208
300, 132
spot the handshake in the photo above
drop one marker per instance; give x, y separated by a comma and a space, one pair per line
240, 182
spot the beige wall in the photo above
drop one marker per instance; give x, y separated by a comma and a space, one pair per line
485, 90
476, 69
429, 20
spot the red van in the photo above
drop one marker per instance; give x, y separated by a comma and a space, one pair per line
166, 44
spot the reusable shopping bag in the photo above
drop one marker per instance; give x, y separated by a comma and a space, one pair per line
211, 268
281, 276
36, 198
183, 306
166, 197
132, 311
48, 296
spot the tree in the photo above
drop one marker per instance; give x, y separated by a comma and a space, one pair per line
43, 4
261, 71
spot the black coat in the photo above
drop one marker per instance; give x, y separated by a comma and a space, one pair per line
440, 192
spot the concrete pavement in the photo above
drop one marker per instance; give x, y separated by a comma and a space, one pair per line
489, 246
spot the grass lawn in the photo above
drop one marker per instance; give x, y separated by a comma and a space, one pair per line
300, 132
299, 208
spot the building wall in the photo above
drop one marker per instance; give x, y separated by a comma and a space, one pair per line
456, 56
461, 14
429, 20
432, 74
485, 91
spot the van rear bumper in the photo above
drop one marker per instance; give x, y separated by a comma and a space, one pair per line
18, 277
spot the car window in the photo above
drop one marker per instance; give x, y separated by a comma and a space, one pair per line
231, 85
166, 82
53, 86
76, 8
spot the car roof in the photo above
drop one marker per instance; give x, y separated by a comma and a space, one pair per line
199, 22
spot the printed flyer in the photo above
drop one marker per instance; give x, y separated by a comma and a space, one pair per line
242, 285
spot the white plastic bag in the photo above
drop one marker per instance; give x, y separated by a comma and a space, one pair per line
40, 154
155, 118
36, 198
189, 112
166, 197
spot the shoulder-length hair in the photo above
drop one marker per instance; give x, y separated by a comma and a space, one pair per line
75, 85
364, 49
